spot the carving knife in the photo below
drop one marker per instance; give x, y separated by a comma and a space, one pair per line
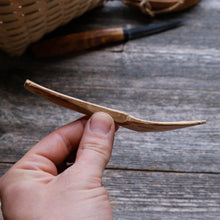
84, 40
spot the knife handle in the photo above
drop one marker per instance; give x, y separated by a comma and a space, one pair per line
76, 42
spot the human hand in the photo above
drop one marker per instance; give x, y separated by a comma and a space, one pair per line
33, 188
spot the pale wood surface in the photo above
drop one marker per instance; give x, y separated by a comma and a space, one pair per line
169, 76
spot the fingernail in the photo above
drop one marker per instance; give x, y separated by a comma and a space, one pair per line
101, 123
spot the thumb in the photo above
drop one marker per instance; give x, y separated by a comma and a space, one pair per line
96, 144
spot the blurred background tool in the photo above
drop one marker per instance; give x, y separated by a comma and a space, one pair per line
84, 40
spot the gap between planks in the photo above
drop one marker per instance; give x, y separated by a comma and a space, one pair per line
160, 171
138, 170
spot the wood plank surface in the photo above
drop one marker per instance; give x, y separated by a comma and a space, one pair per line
171, 76
161, 195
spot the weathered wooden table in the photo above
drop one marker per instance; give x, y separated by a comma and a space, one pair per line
171, 76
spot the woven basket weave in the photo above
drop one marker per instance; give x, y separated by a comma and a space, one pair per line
25, 21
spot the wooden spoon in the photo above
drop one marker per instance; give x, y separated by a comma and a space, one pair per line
162, 4
121, 118
153, 7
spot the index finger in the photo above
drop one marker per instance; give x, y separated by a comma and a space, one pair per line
54, 148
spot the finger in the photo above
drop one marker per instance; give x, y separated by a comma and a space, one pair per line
96, 144
53, 149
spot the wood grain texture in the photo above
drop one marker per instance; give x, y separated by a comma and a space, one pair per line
76, 42
160, 195
173, 75
150, 195
121, 118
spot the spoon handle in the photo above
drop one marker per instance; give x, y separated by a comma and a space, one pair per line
75, 104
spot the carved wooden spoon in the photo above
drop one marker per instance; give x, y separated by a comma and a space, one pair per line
121, 118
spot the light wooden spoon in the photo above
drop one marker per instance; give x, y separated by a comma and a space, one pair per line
121, 118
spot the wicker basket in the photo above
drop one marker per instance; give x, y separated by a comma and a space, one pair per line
25, 21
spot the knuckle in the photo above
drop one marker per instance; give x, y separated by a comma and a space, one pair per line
99, 148
61, 140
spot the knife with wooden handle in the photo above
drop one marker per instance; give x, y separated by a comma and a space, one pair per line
84, 40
